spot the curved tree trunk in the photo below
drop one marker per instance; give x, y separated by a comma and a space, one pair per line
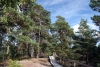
32, 51
0, 41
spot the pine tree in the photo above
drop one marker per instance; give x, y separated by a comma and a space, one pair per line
16, 24
95, 5
41, 17
63, 36
86, 40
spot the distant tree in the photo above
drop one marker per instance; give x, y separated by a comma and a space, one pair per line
41, 17
95, 5
62, 36
86, 40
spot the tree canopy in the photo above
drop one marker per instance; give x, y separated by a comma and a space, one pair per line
26, 30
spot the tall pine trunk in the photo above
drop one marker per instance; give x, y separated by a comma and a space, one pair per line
0, 41
38, 46
39, 43
7, 52
32, 51
87, 59
8, 45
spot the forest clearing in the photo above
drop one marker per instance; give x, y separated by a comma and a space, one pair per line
34, 62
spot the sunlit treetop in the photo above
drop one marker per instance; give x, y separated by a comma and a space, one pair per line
14, 3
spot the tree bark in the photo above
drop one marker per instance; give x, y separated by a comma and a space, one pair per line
0, 42
28, 50
7, 53
39, 43
8, 49
87, 60
32, 51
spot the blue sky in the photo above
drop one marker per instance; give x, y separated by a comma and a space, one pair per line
71, 10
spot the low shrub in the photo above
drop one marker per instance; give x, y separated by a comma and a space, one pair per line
14, 63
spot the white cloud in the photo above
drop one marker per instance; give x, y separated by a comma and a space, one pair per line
92, 26
65, 8
71, 8
75, 27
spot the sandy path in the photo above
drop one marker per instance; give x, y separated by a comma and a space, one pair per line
40, 62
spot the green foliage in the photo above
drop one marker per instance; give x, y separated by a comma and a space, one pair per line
2, 55
15, 23
14, 63
26, 39
26, 29
14, 3
85, 41
98, 65
62, 35
95, 5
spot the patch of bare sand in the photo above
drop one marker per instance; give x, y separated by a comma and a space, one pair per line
40, 62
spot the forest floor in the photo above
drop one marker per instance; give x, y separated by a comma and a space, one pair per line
34, 62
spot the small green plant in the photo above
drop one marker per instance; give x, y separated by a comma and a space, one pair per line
98, 65
2, 56
12, 63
